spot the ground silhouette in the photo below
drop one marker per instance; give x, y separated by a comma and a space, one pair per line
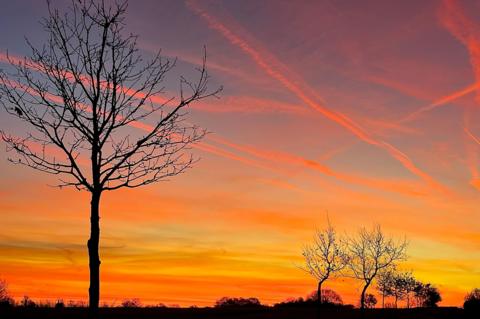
237, 312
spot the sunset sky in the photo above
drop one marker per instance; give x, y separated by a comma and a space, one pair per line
367, 110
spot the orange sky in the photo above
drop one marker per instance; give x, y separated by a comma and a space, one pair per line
365, 111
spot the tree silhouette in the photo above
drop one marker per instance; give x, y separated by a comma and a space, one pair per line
409, 284
385, 280
325, 257
82, 93
370, 252
398, 288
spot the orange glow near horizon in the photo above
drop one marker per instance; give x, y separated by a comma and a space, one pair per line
365, 113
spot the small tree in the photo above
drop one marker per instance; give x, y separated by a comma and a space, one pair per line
409, 286
325, 257
397, 284
370, 252
385, 280
397, 289
82, 93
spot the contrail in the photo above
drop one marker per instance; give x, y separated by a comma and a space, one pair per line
442, 101
269, 156
301, 93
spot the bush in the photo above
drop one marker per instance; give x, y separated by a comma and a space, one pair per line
370, 301
131, 303
59, 304
237, 302
27, 302
7, 302
329, 296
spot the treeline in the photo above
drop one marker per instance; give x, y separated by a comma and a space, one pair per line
331, 299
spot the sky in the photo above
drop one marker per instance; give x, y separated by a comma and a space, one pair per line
365, 111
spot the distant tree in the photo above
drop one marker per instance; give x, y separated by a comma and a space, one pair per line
131, 303
401, 285
427, 295
370, 252
398, 288
370, 301
409, 286
81, 93
472, 302
237, 302
325, 257
385, 280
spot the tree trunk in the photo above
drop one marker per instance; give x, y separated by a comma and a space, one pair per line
94, 259
383, 299
319, 300
319, 293
362, 297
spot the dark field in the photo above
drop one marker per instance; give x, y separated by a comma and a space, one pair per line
247, 313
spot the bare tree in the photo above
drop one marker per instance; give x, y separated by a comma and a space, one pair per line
371, 252
325, 257
82, 94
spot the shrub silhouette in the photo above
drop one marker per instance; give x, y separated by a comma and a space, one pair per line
27, 302
59, 304
472, 302
330, 299
370, 301
237, 302
131, 303
329, 296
